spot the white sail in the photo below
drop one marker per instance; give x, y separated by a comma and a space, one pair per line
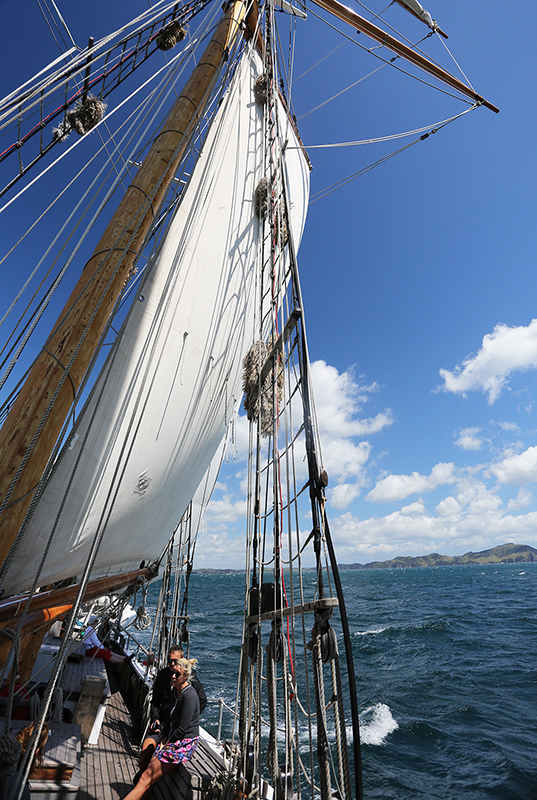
161, 406
417, 9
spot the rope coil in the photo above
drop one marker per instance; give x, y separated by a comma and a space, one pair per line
82, 118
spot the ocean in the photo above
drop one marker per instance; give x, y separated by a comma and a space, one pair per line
446, 672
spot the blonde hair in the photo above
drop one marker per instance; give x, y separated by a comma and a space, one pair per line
186, 664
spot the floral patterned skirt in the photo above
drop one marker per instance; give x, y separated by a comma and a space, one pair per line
175, 752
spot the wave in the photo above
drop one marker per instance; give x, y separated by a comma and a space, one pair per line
367, 633
376, 724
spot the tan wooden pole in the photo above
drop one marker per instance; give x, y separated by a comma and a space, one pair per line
92, 300
364, 26
32, 634
12, 608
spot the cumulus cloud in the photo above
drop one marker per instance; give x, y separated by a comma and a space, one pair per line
413, 508
522, 500
469, 440
343, 494
226, 510
504, 351
220, 551
339, 399
517, 470
339, 403
448, 507
399, 534
397, 487
343, 458
474, 496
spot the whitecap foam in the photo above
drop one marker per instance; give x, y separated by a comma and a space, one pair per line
521, 573
376, 724
367, 633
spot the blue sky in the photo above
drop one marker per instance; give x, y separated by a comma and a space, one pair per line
418, 281
419, 288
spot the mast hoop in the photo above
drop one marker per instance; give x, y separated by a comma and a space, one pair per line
65, 369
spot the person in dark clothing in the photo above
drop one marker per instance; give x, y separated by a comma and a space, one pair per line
180, 733
162, 703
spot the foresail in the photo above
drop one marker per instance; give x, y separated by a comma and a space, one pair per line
162, 403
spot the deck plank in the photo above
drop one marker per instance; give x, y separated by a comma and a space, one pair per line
109, 766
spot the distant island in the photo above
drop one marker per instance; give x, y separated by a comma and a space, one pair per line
503, 554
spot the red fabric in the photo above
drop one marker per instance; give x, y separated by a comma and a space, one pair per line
100, 652
20, 712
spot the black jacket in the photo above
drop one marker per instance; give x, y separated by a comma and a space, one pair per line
183, 722
164, 697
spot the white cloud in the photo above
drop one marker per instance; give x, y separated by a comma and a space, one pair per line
413, 508
220, 551
400, 534
509, 426
397, 487
469, 440
339, 397
504, 351
473, 496
343, 494
226, 510
448, 507
343, 459
517, 470
476, 498
522, 500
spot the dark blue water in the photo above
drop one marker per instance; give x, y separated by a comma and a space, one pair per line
446, 671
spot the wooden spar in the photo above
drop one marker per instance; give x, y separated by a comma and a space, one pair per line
46, 607
56, 597
83, 319
362, 25
31, 635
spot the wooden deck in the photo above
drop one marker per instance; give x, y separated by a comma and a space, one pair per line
107, 769
104, 770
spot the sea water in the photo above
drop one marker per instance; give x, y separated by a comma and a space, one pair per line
446, 673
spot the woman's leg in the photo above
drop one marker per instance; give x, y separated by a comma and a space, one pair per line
156, 770
146, 753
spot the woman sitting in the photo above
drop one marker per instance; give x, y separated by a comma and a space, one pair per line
162, 702
180, 734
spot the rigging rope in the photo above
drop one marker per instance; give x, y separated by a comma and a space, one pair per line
393, 136
328, 190
385, 62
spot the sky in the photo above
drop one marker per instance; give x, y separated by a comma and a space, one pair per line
418, 280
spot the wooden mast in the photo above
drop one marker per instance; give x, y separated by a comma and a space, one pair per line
26, 442
363, 26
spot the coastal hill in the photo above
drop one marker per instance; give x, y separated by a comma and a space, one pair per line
503, 554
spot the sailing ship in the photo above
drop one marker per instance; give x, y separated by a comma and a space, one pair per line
114, 425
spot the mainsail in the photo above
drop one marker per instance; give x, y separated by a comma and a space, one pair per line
163, 401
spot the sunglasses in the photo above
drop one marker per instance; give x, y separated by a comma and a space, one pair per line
173, 661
